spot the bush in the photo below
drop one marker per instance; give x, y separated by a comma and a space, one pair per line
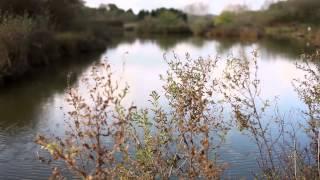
18, 7
200, 25
165, 23
15, 33
62, 13
303, 11
106, 139
115, 141
73, 43
225, 18
25, 42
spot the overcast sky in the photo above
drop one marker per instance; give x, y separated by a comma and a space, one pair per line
215, 6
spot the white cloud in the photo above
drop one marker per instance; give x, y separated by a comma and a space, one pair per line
216, 6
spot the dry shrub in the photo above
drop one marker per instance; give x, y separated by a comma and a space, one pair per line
242, 91
308, 89
105, 139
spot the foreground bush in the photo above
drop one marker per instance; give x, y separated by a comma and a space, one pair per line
107, 139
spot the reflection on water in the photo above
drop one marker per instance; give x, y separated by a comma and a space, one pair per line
33, 105
27, 108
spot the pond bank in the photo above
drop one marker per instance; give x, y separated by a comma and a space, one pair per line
28, 43
310, 36
46, 49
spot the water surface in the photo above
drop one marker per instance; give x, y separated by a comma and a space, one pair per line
33, 105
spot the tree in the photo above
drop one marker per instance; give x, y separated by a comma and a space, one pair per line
168, 18
142, 14
18, 7
63, 12
224, 18
197, 8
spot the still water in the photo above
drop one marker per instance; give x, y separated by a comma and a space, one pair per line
33, 105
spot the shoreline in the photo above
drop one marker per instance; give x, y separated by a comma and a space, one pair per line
76, 47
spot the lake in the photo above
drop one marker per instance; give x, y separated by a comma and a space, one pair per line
33, 105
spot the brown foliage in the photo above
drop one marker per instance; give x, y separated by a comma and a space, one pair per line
107, 139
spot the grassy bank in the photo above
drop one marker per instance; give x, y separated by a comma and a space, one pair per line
293, 19
310, 35
307, 34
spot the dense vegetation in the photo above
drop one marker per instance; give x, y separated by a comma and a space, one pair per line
291, 19
36, 33
163, 21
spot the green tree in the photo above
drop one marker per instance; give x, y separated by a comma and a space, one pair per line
18, 7
63, 12
168, 18
224, 18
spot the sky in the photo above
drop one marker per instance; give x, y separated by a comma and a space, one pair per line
214, 6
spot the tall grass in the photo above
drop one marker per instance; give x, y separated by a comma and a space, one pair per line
15, 33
